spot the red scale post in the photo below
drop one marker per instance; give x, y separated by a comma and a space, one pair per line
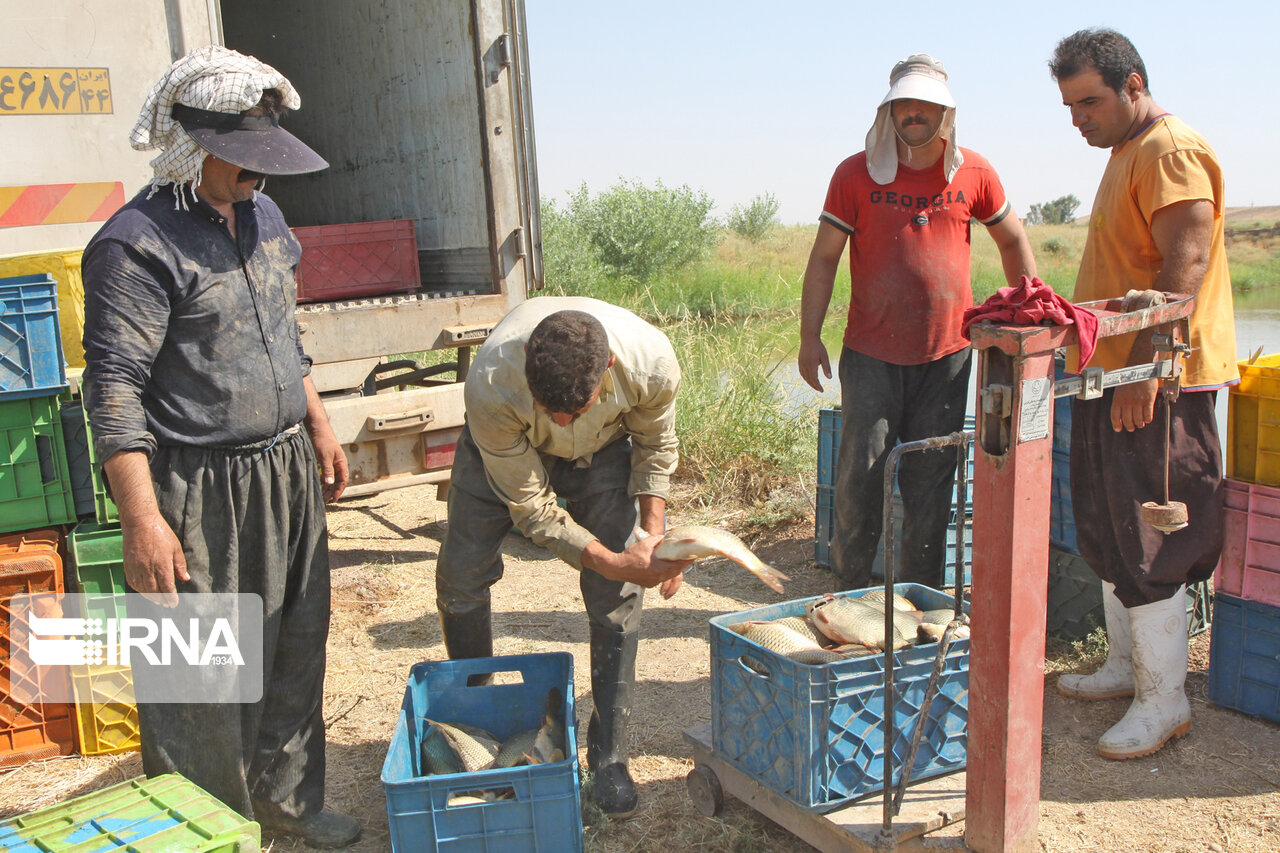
1009, 596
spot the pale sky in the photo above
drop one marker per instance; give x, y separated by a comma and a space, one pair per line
740, 98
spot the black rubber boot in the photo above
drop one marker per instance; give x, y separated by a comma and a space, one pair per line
613, 674
469, 635
323, 830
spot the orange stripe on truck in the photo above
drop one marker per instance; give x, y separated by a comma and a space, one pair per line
56, 204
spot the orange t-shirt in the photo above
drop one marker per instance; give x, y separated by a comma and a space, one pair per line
1168, 163
909, 253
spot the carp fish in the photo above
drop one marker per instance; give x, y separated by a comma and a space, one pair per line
875, 597
457, 748
691, 542
549, 742
776, 637
848, 620
805, 628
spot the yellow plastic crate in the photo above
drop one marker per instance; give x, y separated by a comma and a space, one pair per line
106, 712
1253, 423
64, 266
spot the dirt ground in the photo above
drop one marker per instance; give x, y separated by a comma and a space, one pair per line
1216, 789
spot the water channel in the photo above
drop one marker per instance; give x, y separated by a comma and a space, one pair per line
1257, 328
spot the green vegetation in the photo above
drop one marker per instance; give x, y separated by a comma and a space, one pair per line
639, 232
748, 425
1060, 211
744, 437
754, 221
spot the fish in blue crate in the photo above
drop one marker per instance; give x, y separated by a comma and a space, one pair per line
462, 748
836, 628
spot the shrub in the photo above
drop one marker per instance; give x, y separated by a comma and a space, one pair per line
569, 263
1054, 246
755, 220
640, 231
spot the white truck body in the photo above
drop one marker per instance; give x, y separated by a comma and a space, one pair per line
422, 109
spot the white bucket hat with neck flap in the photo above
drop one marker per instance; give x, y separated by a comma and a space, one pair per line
919, 77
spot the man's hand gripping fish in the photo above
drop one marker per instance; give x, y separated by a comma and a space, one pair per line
690, 542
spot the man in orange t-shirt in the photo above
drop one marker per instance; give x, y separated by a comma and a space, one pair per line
904, 206
1156, 225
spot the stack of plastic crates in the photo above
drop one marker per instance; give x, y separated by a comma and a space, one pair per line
52, 493
1244, 654
35, 498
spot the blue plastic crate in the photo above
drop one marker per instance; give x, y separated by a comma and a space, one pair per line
1244, 657
1061, 409
828, 445
545, 812
829, 422
815, 734
1062, 519
824, 523
825, 519
31, 362
829, 425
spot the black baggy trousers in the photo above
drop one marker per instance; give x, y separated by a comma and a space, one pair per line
251, 520
884, 404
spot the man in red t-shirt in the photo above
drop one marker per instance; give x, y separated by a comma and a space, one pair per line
904, 206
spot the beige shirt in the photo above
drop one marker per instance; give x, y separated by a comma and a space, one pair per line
518, 441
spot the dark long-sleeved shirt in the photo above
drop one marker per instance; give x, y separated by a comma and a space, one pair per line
190, 336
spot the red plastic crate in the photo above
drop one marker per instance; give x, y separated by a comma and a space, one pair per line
1250, 566
29, 564
357, 259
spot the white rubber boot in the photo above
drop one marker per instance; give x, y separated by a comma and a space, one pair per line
1114, 679
1160, 711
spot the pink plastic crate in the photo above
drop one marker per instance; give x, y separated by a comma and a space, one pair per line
357, 259
1250, 566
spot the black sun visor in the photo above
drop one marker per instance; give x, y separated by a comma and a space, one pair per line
257, 143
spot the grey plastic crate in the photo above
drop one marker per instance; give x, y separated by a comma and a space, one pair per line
1075, 599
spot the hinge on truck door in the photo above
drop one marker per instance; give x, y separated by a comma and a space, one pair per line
498, 58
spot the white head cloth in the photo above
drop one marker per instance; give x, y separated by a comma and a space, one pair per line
212, 78
922, 78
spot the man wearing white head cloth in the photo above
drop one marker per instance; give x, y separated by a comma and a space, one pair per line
904, 206
201, 403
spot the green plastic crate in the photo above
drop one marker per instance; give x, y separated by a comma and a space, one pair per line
97, 568
168, 813
35, 482
88, 489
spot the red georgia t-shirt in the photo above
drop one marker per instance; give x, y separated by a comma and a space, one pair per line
909, 253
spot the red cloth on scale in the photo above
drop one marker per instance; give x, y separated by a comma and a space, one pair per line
1033, 303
